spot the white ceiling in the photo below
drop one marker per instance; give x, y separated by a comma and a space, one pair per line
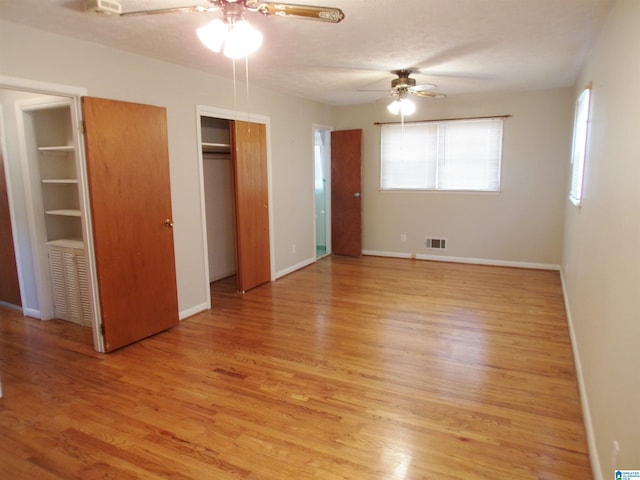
462, 46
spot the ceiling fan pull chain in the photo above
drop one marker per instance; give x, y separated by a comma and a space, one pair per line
246, 70
235, 93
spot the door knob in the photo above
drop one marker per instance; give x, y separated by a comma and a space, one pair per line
356, 195
169, 223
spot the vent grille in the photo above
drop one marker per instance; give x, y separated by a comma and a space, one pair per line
435, 243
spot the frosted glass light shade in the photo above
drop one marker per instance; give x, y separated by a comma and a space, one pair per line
403, 105
239, 38
212, 35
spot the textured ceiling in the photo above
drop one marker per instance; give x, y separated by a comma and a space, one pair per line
462, 46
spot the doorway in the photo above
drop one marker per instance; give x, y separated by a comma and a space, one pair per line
322, 189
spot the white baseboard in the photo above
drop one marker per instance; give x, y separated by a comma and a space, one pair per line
475, 261
586, 413
32, 312
193, 310
11, 306
295, 267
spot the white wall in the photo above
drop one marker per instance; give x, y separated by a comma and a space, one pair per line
104, 72
601, 263
521, 225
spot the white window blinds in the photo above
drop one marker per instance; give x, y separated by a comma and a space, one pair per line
442, 155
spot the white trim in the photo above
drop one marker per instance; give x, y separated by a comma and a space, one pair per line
297, 266
473, 261
582, 389
36, 86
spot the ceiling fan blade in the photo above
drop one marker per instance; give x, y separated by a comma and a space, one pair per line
422, 87
195, 8
428, 94
323, 14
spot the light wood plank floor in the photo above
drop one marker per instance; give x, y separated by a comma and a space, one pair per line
371, 368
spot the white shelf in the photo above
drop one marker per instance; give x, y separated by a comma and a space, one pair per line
64, 212
67, 242
63, 148
208, 147
61, 181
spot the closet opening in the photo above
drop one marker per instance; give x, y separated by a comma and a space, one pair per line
217, 172
235, 195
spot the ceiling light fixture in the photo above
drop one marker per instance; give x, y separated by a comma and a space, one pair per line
403, 106
237, 36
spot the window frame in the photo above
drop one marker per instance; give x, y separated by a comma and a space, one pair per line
579, 145
434, 162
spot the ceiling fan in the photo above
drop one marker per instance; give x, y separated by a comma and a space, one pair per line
402, 87
232, 31
234, 9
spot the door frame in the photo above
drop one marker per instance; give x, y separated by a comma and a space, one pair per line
74, 95
327, 171
206, 111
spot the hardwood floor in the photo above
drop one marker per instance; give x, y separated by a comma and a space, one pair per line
370, 368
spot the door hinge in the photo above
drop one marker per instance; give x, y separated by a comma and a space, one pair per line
81, 127
102, 329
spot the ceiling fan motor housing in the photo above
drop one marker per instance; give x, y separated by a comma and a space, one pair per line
403, 82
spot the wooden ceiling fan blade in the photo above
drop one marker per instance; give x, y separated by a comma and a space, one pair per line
428, 94
194, 8
323, 14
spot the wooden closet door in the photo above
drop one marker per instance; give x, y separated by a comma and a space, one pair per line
128, 180
251, 192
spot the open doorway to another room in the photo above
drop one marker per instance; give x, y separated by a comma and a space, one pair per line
322, 160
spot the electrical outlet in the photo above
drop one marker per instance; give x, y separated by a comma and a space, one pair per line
403, 238
293, 248
615, 453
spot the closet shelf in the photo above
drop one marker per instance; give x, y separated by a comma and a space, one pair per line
216, 147
64, 212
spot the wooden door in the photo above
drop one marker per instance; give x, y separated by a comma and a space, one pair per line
9, 285
128, 180
251, 194
346, 188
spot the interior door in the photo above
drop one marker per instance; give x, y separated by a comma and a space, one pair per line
346, 187
251, 193
128, 179
9, 285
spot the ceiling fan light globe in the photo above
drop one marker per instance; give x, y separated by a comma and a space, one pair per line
403, 106
407, 107
213, 34
394, 107
242, 40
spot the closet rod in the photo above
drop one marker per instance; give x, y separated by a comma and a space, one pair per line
444, 119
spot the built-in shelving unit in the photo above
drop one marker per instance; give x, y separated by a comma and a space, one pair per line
52, 159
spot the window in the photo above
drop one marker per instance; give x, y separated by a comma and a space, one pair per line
579, 148
442, 155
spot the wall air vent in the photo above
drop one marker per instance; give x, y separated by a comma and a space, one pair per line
435, 243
